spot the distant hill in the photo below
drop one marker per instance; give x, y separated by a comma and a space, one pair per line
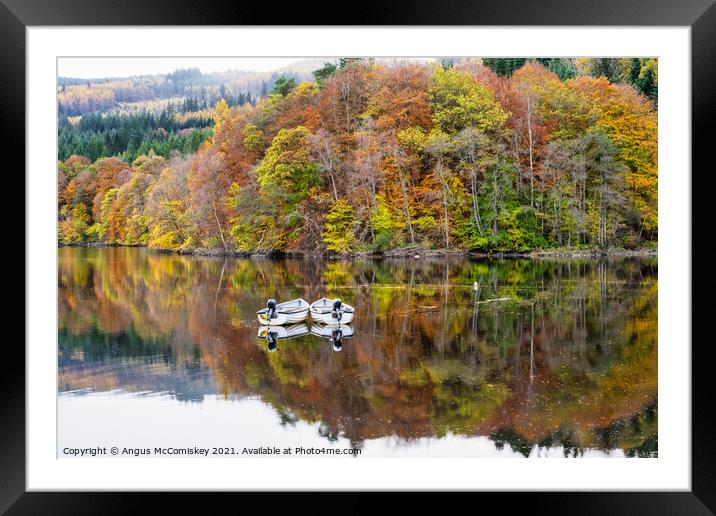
80, 96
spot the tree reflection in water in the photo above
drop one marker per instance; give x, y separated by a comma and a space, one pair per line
528, 352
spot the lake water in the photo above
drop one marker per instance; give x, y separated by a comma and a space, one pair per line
447, 357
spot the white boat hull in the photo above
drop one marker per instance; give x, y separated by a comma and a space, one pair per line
329, 318
282, 319
322, 312
290, 312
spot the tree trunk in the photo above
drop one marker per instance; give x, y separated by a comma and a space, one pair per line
447, 230
406, 200
475, 206
333, 182
216, 216
541, 203
494, 202
532, 170
443, 185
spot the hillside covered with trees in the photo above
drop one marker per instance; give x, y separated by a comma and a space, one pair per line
161, 113
469, 154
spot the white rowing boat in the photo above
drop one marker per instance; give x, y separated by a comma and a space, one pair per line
331, 311
290, 312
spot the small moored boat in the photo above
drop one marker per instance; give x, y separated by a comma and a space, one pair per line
331, 311
290, 312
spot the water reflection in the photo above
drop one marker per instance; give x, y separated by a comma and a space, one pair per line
530, 354
334, 333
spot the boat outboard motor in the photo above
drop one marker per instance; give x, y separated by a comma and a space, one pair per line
336, 338
271, 309
271, 338
337, 312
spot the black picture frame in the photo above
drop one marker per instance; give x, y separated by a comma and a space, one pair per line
700, 15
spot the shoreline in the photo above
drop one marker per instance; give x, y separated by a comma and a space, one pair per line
398, 254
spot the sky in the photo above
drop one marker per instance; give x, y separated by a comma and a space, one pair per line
101, 67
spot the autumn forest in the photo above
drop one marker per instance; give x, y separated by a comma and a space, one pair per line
365, 156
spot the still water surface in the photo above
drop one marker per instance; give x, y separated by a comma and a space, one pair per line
508, 358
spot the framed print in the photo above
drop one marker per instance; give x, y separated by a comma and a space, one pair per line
448, 249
